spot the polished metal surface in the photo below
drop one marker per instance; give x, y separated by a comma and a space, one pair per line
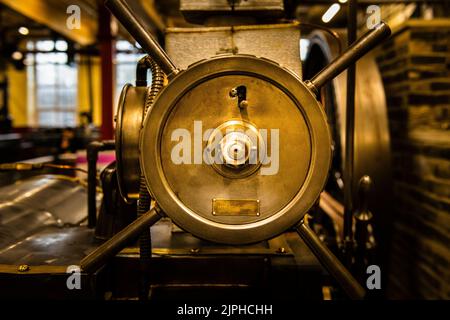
166, 242
51, 246
330, 262
372, 141
350, 128
129, 118
120, 240
237, 141
278, 100
283, 266
235, 207
28, 205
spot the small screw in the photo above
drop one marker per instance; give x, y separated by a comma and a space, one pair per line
281, 250
23, 268
243, 104
233, 92
195, 250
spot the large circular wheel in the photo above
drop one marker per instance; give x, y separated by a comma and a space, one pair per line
265, 126
130, 113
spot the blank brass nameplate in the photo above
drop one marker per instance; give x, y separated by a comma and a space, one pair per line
235, 207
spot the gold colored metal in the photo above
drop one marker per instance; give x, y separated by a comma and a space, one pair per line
134, 251
280, 103
372, 154
239, 134
281, 250
272, 249
23, 268
130, 113
235, 207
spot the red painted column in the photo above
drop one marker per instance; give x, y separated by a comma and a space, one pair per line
106, 45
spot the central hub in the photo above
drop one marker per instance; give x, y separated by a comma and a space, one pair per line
236, 146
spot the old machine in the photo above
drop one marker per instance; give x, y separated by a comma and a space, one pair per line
224, 153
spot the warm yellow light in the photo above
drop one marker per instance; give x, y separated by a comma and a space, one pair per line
331, 12
17, 55
24, 31
342, 1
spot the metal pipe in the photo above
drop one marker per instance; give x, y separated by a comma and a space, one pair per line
111, 247
350, 56
92, 151
123, 13
349, 136
329, 261
363, 218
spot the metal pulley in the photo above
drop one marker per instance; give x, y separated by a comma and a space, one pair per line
372, 141
235, 149
229, 171
130, 113
134, 102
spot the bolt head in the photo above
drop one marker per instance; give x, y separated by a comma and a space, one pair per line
23, 268
281, 250
243, 104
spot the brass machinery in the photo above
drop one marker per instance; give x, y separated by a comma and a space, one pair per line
235, 202
372, 141
239, 199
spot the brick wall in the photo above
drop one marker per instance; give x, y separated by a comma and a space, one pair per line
415, 66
